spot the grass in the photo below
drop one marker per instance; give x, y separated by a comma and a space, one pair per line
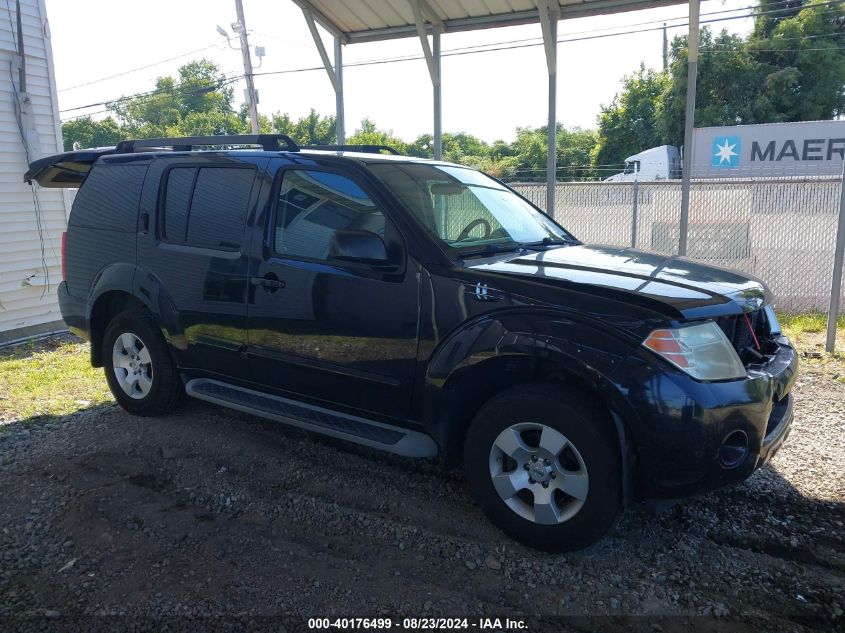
809, 323
52, 377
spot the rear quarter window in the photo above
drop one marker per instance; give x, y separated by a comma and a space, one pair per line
206, 206
109, 198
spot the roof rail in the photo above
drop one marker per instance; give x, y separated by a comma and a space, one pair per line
370, 149
269, 142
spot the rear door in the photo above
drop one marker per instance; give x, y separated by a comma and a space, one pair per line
340, 332
192, 246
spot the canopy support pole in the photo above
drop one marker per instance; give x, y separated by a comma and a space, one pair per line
689, 124
335, 72
340, 116
438, 110
432, 60
548, 23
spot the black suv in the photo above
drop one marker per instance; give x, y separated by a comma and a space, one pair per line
421, 308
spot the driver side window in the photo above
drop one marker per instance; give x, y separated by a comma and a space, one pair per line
312, 205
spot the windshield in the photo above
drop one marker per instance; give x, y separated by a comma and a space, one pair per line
467, 210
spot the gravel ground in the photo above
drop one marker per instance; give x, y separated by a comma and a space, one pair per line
182, 520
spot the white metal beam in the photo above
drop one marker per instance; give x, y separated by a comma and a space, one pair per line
548, 24
689, 124
325, 22
549, 42
431, 15
340, 114
321, 48
419, 23
438, 106
432, 59
574, 10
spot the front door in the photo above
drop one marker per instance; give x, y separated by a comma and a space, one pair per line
341, 332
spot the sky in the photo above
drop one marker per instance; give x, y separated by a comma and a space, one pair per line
486, 94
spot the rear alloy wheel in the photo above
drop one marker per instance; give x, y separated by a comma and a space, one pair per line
139, 368
132, 365
543, 462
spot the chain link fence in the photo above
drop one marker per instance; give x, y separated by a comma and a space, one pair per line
782, 230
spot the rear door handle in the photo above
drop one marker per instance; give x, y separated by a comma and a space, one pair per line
270, 283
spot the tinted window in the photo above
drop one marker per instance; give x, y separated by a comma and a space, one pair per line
206, 206
108, 199
312, 205
177, 197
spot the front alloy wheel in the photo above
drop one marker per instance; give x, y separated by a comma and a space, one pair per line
543, 461
539, 473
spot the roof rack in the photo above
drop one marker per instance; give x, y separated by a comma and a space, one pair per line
269, 142
370, 149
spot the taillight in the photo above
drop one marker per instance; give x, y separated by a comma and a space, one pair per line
64, 255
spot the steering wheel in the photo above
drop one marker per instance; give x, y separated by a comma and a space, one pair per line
469, 227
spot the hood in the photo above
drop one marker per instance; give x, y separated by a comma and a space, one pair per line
691, 289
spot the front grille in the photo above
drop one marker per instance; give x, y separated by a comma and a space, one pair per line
736, 329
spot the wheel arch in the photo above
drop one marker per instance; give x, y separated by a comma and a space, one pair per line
493, 354
117, 289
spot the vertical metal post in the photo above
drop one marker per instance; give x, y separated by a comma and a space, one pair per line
634, 205
551, 159
689, 122
340, 120
438, 109
836, 283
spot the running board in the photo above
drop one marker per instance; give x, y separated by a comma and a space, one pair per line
313, 418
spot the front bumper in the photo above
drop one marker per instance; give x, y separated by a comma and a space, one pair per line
679, 426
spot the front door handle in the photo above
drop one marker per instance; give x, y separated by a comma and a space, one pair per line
270, 282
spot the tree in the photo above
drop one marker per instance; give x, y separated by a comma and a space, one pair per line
728, 92
629, 124
790, 68
312, 129
369, 134
802, 55
198, 100
90, 133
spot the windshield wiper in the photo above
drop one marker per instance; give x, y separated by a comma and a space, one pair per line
492, 249
550, 241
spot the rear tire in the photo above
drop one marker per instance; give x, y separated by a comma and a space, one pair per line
139, 368
544, 464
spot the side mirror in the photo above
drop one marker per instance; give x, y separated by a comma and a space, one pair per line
354, 245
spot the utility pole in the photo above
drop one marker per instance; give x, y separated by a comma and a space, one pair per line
252, 95
665, 50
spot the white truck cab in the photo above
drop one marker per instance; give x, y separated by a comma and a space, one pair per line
656, 163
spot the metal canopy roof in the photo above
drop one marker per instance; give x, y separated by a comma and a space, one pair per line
371, 20
352, 21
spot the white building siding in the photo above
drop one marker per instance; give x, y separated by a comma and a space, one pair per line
24, 306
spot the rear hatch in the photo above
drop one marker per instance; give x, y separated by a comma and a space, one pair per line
66, 171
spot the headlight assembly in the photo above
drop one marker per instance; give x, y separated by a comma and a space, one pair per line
702, 351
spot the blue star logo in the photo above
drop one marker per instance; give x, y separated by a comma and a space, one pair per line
725, 152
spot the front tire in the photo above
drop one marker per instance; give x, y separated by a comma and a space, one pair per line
544, 465
139, 369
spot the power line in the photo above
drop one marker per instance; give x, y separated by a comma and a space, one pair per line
180, 91
139, 68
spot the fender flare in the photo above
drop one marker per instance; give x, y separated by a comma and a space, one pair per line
499, 350
139, 284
